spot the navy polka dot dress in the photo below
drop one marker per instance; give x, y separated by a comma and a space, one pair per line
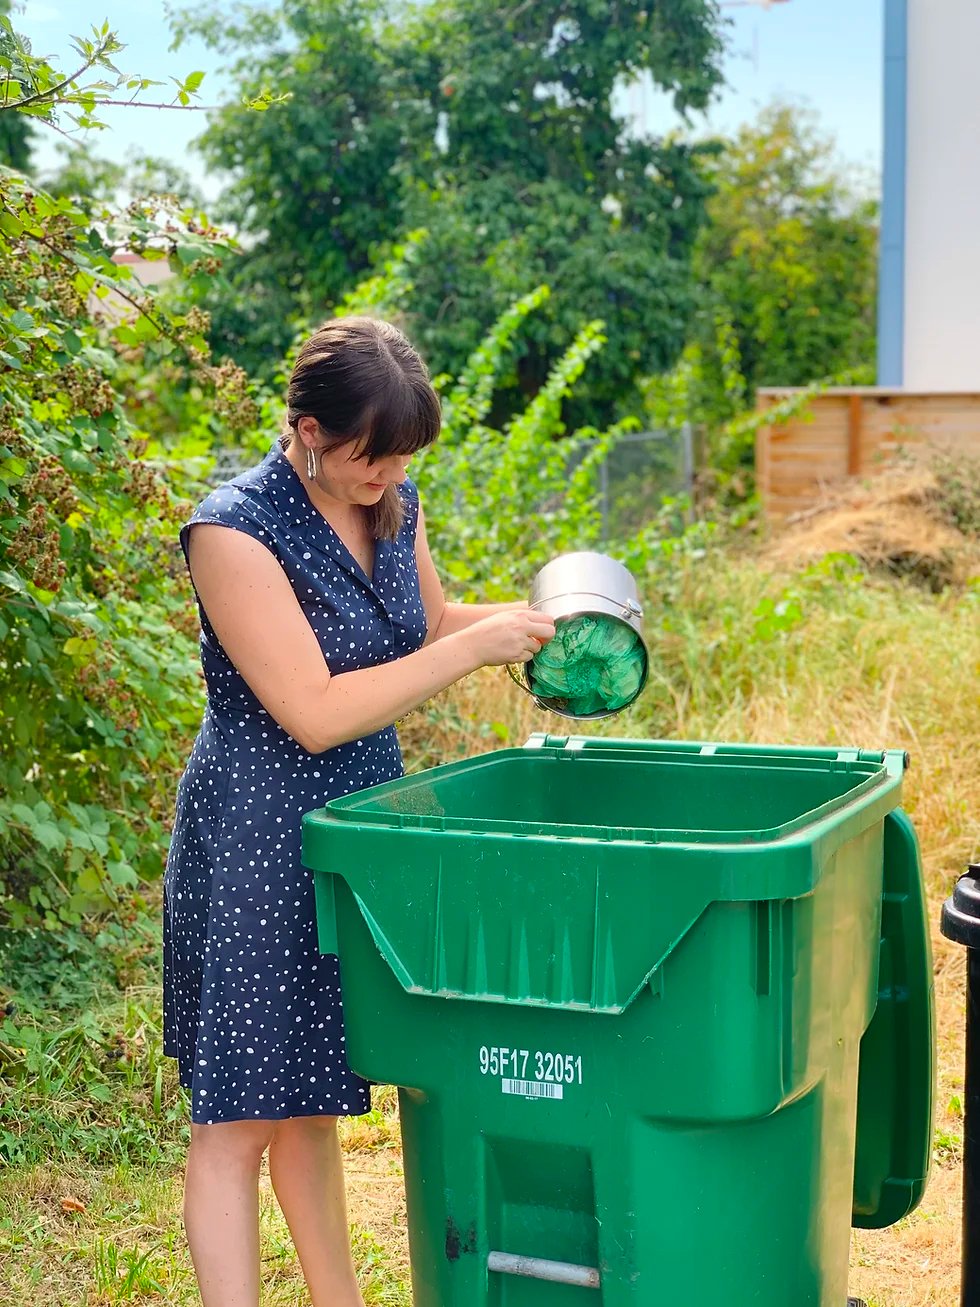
252, 1011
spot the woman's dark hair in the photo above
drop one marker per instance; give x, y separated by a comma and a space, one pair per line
362, 381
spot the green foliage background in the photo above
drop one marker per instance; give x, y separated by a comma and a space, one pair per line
568, 283
556, 270
98, 688
788, 256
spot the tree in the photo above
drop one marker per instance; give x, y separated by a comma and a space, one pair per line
313, 187
493, 128
486, 244
788, 256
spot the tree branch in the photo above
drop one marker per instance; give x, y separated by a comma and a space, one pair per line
53, 90
60, 130
143, 104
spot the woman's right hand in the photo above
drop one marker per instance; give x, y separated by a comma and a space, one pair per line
510, 637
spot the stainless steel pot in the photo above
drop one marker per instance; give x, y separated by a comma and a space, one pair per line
578, 585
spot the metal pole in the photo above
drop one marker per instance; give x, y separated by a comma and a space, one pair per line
604, 495
539, 1268
961, 923
687, 454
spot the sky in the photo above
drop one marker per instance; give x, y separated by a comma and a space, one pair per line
826, 54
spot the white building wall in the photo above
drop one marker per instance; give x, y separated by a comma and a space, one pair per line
942, 197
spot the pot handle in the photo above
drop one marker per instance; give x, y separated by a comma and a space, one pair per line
514, 675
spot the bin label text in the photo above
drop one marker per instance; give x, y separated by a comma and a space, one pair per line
531, 1072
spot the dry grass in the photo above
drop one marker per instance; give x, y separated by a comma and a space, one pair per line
898, 521
94, 1238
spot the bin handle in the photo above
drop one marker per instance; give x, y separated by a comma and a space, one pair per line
539, 1268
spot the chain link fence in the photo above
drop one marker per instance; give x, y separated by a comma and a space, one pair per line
641, 470
229, 462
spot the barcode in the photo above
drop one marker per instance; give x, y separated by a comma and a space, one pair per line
532, 1088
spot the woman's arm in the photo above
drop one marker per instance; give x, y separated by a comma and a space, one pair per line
262, 628
444, 618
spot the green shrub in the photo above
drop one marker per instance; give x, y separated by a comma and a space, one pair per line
98, 684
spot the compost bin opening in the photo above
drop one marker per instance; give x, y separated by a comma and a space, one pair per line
586, 793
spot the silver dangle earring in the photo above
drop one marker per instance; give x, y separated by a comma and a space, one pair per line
310, 464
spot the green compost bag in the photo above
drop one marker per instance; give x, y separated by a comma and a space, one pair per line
594, 664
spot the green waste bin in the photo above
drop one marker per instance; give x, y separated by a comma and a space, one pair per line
628, 991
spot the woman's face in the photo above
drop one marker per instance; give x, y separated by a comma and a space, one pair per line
348, 475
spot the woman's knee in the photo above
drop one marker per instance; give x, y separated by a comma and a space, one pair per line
305, 1127
232, 1142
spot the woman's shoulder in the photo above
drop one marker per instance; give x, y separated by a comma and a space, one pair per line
246, 503
231, 504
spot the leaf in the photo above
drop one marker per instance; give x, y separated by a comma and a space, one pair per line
12, 582
80, 647
89, 882
125, 334
193, 81
75, 461
121, 873
145, 330
74, 1204
48, 835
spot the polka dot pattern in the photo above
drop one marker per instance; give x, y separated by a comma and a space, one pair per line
252, 1011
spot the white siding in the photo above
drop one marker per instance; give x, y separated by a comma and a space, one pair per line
942, 197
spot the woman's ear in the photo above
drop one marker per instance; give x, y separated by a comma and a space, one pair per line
308, 430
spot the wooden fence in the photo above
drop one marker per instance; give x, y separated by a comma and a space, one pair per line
845, 433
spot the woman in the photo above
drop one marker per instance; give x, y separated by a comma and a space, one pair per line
323, 621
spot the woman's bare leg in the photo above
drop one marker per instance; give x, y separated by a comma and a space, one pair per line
307, 1170
221, 1209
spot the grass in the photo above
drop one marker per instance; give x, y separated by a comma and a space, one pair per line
75, 1234
92, 1122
